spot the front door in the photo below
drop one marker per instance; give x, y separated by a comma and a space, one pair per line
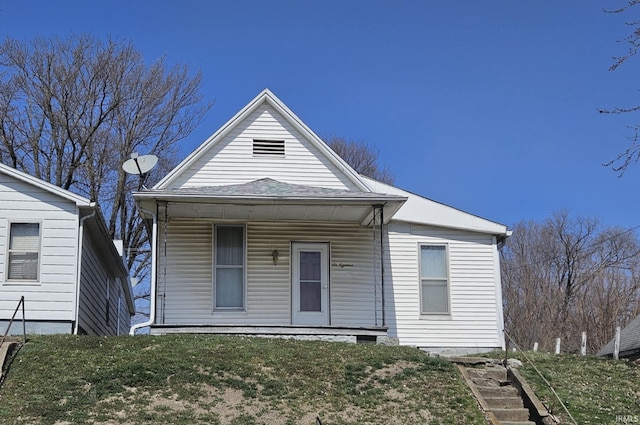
310, 284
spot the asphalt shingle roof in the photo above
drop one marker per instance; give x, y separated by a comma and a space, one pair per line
629, 339
269, 188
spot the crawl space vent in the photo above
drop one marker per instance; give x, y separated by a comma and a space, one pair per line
268, 147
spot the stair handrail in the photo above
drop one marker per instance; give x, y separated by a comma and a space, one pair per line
24, 323
540, 374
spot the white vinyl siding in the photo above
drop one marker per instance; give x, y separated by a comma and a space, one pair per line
473, 321
434, 279
232, 159
185, 273
268, 147
229, 275
24, 251
52, 296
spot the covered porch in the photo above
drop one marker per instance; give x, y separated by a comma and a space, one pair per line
269, 258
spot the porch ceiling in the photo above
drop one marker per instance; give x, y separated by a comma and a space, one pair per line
268, 199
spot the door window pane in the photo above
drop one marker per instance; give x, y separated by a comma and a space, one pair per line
310, 263
310, 281
310, 296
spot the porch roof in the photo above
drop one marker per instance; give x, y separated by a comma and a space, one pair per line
270, 199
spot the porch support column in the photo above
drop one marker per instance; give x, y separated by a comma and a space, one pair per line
163, 217
378, 218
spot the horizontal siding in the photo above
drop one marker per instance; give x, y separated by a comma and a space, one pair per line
4, 234
231, 160
185, 274
94, 295
120, 306
93, 291
473, 321
53, 296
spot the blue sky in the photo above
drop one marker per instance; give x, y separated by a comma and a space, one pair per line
488, 106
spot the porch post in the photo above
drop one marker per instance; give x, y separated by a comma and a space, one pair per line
384, 317
378, 214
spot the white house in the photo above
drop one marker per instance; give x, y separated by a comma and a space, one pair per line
264, 230
56, 252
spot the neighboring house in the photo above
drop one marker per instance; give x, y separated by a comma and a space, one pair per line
629, 342
264, 230
56, 252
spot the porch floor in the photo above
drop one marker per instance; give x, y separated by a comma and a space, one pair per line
373, 334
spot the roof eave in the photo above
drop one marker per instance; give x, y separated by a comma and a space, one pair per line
252, 199
80, 201
97, 223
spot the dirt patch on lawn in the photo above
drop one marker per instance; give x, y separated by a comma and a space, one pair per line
224, 405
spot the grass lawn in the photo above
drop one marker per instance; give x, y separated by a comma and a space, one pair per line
595, 391
200, 379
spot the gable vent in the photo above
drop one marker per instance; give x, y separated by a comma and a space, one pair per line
268, 147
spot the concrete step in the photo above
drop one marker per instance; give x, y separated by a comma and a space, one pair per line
517, 423
504, 402
488, 382
497, 391
498, 373
516, 415
6, 349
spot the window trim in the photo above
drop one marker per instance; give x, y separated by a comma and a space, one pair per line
8, 251
447, 277
215, 308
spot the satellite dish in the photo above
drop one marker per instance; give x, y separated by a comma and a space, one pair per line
139, 165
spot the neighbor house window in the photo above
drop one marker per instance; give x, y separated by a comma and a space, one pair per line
434, 279
24, 251
229, 267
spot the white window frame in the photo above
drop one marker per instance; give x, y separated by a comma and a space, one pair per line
425, 280
244, 266
12, 251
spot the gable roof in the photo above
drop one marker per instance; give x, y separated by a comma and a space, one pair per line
80, 201
269, 189
278, 200
266, 96
95, 222
629, 341
421, 210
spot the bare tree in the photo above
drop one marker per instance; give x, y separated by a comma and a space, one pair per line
567, 275
361, 157
73, 110
631, 154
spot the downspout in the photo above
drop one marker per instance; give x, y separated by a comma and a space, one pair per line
79, 264
499, 243
153, 283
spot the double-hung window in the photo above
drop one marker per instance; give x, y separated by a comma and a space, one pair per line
434, 279
229, 267
24, 251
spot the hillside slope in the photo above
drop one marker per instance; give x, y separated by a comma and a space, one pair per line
200, 379
594, 390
